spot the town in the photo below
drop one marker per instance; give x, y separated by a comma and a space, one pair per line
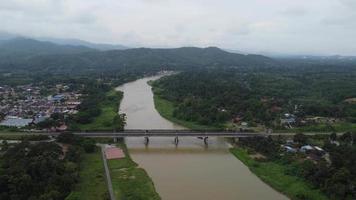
30, 105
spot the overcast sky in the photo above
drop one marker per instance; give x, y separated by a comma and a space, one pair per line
284, 26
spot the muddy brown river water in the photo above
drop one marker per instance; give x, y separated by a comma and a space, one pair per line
190, 170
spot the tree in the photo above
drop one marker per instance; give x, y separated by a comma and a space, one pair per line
68, 138
88, 145
300, 138
333, 136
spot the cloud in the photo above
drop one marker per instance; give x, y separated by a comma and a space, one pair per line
302, 26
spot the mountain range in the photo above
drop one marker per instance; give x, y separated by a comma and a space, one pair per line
34, 55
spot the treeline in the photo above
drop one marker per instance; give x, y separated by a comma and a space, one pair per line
41, 171
95, 93
213, 96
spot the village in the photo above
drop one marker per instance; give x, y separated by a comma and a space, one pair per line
25, 105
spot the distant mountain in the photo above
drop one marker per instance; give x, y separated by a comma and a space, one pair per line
143, 59
7, 36
77, 42
62, 41
28, 47
297, 60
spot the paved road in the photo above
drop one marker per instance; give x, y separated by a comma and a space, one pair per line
169, 133
107, 173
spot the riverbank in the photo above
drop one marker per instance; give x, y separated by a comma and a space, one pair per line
165, 108
92, 184
109, 116
274, 175
129, 181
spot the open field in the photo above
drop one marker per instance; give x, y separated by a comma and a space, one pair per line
109, 110
92, 183
129, 181
274, 174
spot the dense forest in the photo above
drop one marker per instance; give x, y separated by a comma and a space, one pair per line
41, 171
214, 96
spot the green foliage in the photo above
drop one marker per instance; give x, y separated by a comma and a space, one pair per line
87, 144
129, 181
91, 184
166, 109
107, 117
275, 175
334, 176
213, 96
36, 172
300, 138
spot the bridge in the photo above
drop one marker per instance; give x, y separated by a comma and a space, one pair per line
169, 133
147, 134
204, 135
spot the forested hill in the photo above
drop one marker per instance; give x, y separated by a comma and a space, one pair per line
134, 59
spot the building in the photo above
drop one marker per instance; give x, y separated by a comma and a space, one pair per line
12, 121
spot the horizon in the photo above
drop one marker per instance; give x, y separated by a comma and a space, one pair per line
237, 51
274, 27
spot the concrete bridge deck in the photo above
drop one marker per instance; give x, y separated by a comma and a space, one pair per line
170, 133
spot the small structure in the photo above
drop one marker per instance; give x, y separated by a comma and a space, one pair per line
113, 152
306, 148
13, 121
289, 149
288, 119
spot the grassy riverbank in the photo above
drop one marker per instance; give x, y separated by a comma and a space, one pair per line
165, 109
109, 110
92, 183
129, 181
274, 174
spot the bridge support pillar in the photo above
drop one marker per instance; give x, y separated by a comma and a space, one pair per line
147, 140
206, 140
176, 140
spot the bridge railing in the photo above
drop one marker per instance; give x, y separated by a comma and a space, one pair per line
162, 131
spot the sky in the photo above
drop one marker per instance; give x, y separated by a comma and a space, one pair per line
319, 27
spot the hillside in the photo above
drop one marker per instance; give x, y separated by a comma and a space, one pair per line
26, 46
133, 59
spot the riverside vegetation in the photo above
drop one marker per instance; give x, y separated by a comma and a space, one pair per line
215, 97
130, 182
296, 174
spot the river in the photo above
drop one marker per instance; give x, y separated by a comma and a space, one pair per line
191, 170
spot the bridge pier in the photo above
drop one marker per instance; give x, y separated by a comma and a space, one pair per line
176, 140
206, 140
147, 140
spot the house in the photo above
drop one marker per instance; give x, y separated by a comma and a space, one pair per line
40, 118
289, 149
56, 98
306, 149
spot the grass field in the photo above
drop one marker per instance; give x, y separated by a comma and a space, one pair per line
274, 175
165, 109
109, 109
129, 181
92, 183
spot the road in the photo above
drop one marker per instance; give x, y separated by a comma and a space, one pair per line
107, 173
168, 133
